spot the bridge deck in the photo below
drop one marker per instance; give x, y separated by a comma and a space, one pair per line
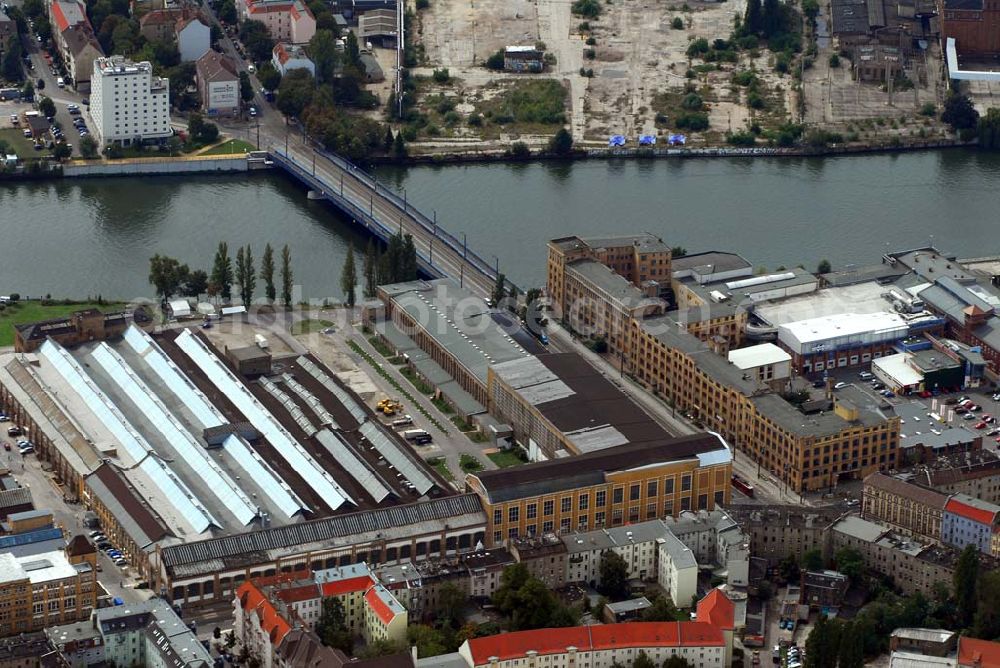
384, 213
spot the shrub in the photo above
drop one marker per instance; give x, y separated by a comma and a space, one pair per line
445, 105
441, 75
690, 74
692, 102
697, 48
928, 110
520, 150
451, 118
495, 61
755, 101
590, 9
748, 42
744, 138
695, 122
744, 78
589, 54
782, 63
423, 4
584, 26
591, 41
475, 120
677, 23
834, 60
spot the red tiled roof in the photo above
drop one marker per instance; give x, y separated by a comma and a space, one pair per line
347, 586
978, 653
980, 515
716, 609
297, 594
251, 598
593, 638
380, 607
57, 13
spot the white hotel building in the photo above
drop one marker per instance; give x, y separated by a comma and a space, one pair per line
127, 103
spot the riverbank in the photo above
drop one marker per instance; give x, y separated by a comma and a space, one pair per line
647, 152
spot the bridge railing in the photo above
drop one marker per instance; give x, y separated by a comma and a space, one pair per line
429, 225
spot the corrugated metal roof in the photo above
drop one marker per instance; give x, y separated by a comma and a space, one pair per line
354, 465
293, 452
395, 454
343, 526
357, 412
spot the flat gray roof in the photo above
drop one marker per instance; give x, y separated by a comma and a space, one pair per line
712, 262
476, 335
605, 279
852, 525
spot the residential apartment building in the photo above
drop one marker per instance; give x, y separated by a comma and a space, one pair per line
544, 556
183, 25
969, 521
44, 581
908, 508
677, 570
777, 532
286, 20
912, 565
148, 634
605, 488
977, 476
128, 103
705, 643
74, 38
218, 84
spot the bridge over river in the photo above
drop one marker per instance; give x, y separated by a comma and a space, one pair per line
384, 213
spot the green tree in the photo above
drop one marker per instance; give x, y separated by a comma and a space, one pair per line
269, 77
676, 662
257, 40
812, 560
965, 582
678, 251
499, 289
789, 568
12, 69
451, 601
850, 562
47, 107
752, 20
61, 151
166, 274
349, 278
823, 267
267, 273
28, 90
528, 603
822, 644
428, 640
399, 147
643, 661
369, 270
332, 626
352, 51
196, 284
408, 268
852, 647
986, 621
246, 274
246, 87
495, 61
988, 130
88, 147
286, 276
227, 12
323, 52
295, 92
614, 576
661, 610
959, 112
561, 142
222, 272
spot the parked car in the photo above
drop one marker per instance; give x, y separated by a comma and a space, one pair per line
980, 425
839, 386
95, 533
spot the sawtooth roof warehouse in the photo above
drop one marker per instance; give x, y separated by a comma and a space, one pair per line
205, 478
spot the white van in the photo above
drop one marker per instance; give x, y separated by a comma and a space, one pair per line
404, 421
61, 82
417, 436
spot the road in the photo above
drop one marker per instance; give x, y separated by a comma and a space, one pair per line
28, 471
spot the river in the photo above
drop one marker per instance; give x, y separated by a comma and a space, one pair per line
89, 237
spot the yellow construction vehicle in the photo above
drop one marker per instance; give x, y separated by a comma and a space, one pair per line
389, 407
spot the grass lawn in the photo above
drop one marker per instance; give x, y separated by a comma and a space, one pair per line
231, 147
505, 459
469, 463
441, 466
310, 326
422, 387
377, 344
33, 311
23, 146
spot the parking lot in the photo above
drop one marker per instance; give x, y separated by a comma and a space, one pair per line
926, 412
